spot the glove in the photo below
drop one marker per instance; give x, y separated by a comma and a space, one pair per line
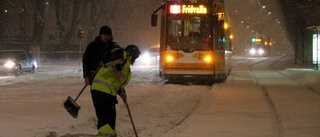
123, 94
87, 81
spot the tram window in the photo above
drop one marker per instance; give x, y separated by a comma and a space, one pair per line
174, 28
184, 28
188, 34
194, 27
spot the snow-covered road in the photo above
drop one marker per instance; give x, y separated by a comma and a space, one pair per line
31, 104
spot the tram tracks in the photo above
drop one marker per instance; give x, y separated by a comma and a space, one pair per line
278, 121
281, 95
201, 100
277, 124
306, 86
204, 97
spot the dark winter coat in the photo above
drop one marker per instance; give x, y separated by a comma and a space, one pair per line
94, 54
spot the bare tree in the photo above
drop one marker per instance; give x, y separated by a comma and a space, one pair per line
294, 26
38, 20
100, 9
68, 14
1, 20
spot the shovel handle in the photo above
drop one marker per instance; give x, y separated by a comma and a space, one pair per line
84, 87
134, 128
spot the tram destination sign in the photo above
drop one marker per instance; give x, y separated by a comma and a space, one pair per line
187, 9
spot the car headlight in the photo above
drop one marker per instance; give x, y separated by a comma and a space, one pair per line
35, 64
9, 64
146, 56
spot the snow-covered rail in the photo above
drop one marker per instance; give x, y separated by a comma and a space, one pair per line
277, 119
286, 96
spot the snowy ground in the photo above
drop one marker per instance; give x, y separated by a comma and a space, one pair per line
31, 104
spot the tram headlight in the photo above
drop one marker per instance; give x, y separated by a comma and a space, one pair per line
252, 51
169, 58
207, 58
260, 51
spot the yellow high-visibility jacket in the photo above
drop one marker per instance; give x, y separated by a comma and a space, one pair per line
106, 79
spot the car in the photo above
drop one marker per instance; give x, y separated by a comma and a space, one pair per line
151, 55
16, 61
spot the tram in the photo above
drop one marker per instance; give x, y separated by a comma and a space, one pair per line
260, 45
195, 41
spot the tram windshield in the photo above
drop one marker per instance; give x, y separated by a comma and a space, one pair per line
188, 34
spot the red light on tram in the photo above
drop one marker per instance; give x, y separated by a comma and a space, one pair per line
207, 39
175, 9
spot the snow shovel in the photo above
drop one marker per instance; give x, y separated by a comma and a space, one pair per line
134, 128
71, 106
125, 101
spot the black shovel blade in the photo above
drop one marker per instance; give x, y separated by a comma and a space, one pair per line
72, 107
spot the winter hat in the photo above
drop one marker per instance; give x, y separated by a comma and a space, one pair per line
105, 30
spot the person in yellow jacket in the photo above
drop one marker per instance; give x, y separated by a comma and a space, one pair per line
108, 82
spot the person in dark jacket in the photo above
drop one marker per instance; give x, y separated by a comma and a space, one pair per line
95, 52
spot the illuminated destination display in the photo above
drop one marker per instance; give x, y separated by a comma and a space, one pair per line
187, 9
256, 40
